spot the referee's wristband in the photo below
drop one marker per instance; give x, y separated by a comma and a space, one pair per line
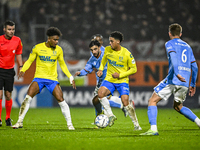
20, 66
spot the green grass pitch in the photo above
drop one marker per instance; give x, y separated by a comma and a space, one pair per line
45, 128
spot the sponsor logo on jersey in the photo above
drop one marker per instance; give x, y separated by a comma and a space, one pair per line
47, 59
182, 44
43, 52
114, 63
184, 68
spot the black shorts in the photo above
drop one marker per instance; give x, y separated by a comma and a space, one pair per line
7, 79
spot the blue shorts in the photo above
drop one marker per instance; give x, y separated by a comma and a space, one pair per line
122, 88
49, 84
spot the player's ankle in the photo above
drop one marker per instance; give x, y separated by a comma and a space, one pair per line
197, 121
154, 128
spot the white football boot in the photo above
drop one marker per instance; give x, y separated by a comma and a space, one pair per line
18, 125
137, 128
71, 127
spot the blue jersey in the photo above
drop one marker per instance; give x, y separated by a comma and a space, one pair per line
180, 57
94, 62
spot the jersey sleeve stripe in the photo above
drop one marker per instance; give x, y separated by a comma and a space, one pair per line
172, 51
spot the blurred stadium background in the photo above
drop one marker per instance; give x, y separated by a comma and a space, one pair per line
144, 24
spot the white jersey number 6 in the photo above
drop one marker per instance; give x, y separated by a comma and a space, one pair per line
184, 57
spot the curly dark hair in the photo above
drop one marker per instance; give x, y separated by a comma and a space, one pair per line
117, 35
53, 31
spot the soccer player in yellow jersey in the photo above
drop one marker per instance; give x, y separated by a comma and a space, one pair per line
46, 54
121, 64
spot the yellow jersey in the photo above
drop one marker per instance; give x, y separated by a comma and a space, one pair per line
121, 62
46, 62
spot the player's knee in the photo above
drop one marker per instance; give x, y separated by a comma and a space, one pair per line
100, 94
7, 95
125, 102
151, 102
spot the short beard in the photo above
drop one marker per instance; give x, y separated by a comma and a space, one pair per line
97, 55
52, 46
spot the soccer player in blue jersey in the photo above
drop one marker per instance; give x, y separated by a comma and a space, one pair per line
181, 64
47, 55
93, 64
99, 38
120, 64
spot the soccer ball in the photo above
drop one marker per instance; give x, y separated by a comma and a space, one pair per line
101, 121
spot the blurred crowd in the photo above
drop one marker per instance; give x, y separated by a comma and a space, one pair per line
138, 20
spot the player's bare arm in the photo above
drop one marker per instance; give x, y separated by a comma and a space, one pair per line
19, 61
115, 75
192, 91
99, 73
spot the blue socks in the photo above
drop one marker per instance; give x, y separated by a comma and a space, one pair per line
188, 113
152, 115
113, 104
